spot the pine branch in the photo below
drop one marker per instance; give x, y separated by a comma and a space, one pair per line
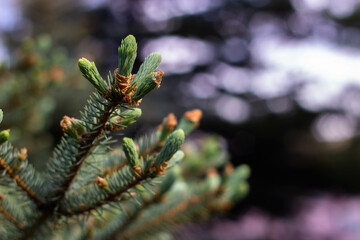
72, 153
149, 144
155, 141
103, 196
86, 144
120, 225
168, 215
20, 182
115, 185
117, 160
85, 183
214, 194
8, 216
113, 162
142, 200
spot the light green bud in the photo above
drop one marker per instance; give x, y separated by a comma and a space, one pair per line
74, 127
237, 192
4, 136
190, 120
241, 172
171, 146
90, 72
213, 179
149, 65
130, 116
131, 154
150, 82
127, 55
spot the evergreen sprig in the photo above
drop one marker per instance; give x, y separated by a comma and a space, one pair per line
140, 188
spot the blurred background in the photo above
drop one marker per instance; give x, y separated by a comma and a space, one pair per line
278, 80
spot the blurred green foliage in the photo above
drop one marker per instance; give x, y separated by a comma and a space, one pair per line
30, 84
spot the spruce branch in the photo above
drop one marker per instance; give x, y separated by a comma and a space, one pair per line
168, 215
131, 187
102, 196
82, 150
113, 162
153, 142
145, 145
215, 194
7, 215
32, 195
94, 196
87, 143
133, 211
148, 202
82, 137
120, 182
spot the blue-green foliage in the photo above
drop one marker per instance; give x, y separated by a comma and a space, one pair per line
138, 188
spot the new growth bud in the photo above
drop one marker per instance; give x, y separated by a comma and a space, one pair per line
171, 146
213, 179
130, 116
149, 65
74, 127
4, 136
90, 72
150, 82
237, 192
131, 154
236, 185
167, 126
127, 55
23, 154
121, 120
190, 120
132, 88
242, 172
101, 182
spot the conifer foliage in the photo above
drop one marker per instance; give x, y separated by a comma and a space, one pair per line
93, 189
